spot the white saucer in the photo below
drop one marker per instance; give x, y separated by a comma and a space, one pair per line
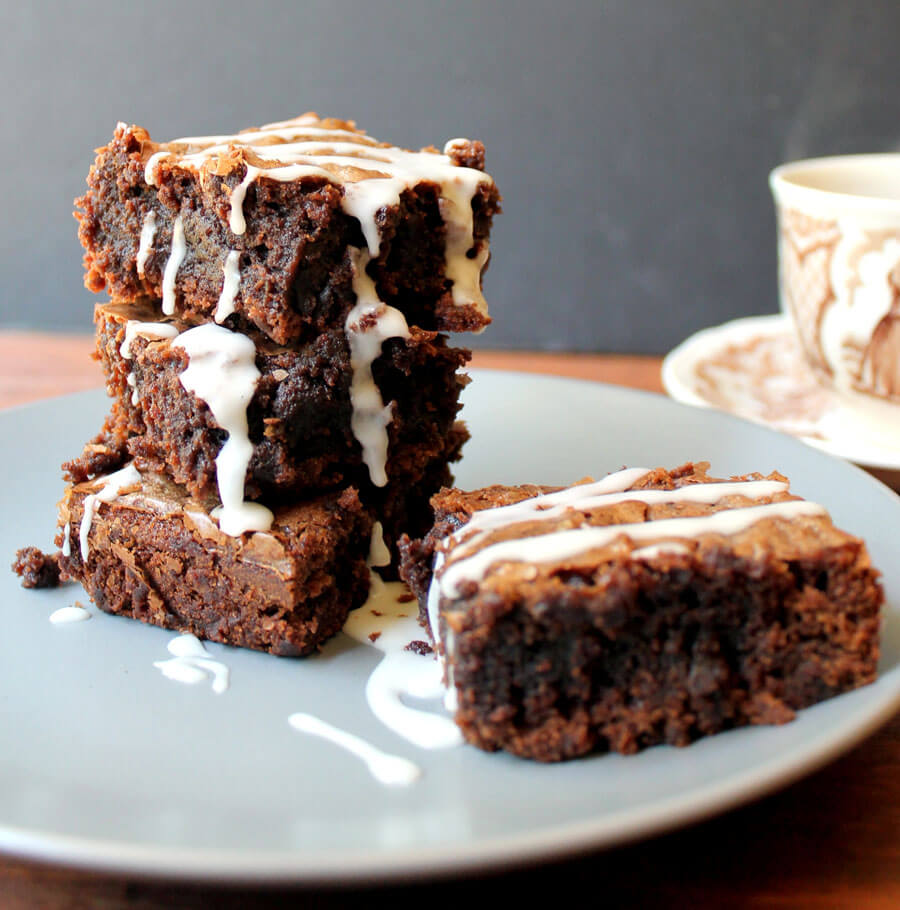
754, 368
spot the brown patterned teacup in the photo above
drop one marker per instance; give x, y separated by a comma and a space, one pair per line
839, 270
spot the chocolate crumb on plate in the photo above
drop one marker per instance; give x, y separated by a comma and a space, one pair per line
36, 568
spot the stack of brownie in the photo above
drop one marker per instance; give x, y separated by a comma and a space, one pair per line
284, 404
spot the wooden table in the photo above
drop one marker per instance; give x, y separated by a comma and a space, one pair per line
831, 840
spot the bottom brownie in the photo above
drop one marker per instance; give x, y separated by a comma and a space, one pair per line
654, 611
153, 554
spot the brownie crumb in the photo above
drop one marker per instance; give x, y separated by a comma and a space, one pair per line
374, 636
36, 568
406, 598
376, 612
419, 647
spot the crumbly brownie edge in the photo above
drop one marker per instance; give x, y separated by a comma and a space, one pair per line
450, 508
404, 508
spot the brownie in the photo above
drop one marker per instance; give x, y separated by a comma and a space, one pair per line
286, 218
156, 555
36, 568
656, 607
299, 417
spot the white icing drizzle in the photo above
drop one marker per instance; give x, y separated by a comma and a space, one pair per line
222, 372
369, 324
660, 549
191, 663
459, 558
151, 166
236, 219
66, 549
608, 492
400, 672
148, 232
285, 130
133, 328
391, 770
552, 547
111, 486
550, 505
379, 554
463, 271
176, 257
65, 615
231, 282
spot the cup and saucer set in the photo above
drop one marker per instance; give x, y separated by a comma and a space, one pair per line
827, 367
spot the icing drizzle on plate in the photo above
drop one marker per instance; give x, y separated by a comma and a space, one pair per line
191, 663
389, 625
66, 615
391, 770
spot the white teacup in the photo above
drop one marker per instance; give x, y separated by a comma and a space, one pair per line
839, 272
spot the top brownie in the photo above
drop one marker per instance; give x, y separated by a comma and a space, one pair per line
288, 226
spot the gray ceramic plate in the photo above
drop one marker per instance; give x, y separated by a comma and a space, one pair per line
104, 763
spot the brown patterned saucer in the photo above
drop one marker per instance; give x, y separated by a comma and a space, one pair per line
754, 368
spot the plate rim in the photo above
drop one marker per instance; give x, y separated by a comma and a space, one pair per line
236, 866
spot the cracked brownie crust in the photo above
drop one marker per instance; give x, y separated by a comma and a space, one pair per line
156, 556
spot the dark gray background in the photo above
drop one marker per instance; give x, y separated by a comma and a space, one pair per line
631, 140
